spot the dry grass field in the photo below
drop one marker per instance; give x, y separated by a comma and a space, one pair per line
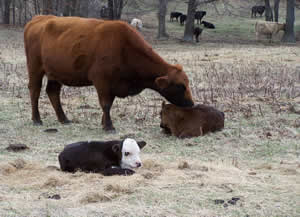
255, 159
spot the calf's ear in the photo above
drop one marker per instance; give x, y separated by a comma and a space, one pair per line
116, 148
162, 82
141, 144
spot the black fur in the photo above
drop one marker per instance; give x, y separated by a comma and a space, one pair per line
182, 19
175, 14
257, 9
208, 25
175, 94
199, 15
197, 32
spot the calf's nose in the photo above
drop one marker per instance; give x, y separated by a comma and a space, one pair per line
138, 164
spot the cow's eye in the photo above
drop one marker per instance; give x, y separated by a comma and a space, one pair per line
127, 153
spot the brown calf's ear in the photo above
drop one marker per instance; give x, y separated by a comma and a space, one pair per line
162, 82
116, 148
163, 104
141, 144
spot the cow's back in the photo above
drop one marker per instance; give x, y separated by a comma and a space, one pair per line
32, 35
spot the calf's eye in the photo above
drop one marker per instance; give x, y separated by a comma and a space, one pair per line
127, 153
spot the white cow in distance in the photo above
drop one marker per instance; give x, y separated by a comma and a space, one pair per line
137, 23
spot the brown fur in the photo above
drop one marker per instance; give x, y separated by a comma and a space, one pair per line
190, 122
111, 55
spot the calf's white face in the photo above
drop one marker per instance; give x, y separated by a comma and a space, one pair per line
130, 154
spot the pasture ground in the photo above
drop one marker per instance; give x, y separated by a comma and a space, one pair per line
255, 158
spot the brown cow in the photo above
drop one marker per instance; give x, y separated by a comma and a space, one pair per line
111, 55
190, 122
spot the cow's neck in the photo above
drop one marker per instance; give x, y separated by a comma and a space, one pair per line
150, 66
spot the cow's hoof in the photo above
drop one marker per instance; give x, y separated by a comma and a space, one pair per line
37, 123
66, 121
110, 129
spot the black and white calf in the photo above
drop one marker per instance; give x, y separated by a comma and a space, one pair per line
108, 158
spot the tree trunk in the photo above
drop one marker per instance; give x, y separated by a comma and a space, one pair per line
118, 7
289, 34
20, 11
268, 13
67, 8
38, 5
73, 7
56, 8
276, 9
14, 11
162, 19
47, 7
84, 5
189, 25
6, 16
25, 10
115, 8
111, 9
35, 7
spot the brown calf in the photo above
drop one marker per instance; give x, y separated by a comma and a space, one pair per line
190, 122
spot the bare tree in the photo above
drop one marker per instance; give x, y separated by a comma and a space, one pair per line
70, 8
268, 13
115, 8
14, 11
162, 19
6, 15
276, 9
36, 5
289, 34
47, 7
84, 8
189, 25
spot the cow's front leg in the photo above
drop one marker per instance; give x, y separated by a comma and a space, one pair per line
117, 171
106, 101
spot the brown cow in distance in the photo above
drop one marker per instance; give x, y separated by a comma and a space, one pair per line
190, 122
111, 55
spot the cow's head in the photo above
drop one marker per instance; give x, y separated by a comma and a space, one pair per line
175, 87
130, 153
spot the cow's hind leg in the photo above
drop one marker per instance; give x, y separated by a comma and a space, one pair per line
35, 85
53, 91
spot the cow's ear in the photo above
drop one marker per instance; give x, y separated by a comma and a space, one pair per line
178, 67
116, 148
162, 82
141, 144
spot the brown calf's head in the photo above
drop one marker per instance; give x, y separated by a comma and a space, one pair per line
169, 115
175, 87
164, 118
